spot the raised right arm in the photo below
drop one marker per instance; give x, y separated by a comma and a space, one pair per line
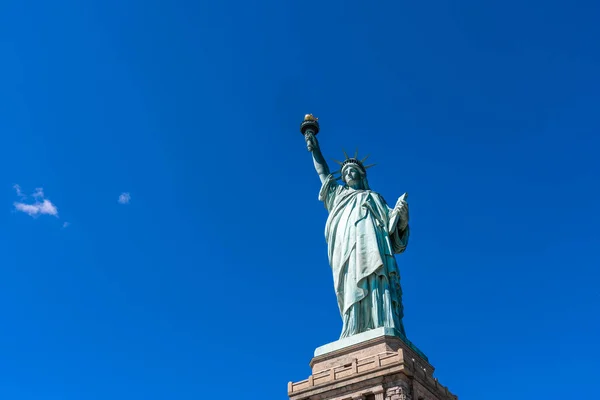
320, 164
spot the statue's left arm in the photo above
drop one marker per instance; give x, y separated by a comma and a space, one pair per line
398, 228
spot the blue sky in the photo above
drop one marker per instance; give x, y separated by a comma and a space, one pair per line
212, 280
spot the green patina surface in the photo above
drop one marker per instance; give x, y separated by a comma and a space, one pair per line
363, 235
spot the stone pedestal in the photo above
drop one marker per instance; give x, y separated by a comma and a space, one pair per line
374, 365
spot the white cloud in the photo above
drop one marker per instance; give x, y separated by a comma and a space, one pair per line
124, 198
40, 206
37, 208
65, 224
30, 209
18, 190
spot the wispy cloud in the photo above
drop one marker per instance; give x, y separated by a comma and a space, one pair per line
124, 198
40, 206
18, 190
66, 224
45, 207
39, 193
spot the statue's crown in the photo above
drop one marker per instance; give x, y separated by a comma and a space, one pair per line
354, 161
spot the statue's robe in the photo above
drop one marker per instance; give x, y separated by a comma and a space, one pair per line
363, 234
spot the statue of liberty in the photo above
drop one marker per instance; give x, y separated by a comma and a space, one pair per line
362, 235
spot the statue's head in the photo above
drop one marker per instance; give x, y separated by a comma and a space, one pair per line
353, 176
354, 173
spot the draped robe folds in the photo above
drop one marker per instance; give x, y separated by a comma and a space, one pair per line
363, 234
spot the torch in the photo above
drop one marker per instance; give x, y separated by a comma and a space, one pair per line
309, 128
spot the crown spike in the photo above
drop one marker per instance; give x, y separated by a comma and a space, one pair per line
365, 159
338, 162
369, 166
346, 154
356, 153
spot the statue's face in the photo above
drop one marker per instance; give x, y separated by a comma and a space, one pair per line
352, 176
